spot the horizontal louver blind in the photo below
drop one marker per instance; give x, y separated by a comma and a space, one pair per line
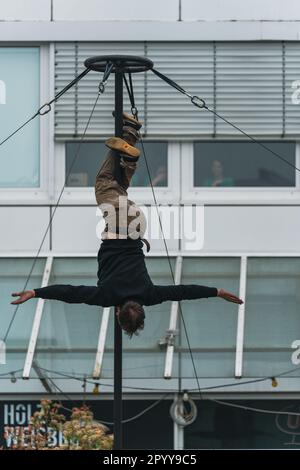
249, 87
191, 65
65, 109
74, 107
292, 83
249, 84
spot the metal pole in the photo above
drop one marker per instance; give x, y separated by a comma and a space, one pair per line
118, 438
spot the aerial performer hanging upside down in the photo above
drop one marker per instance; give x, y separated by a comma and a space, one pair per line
123, 279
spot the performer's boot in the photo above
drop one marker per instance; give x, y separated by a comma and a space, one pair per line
122, 147
130, 121
131, 127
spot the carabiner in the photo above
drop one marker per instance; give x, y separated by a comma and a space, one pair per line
134, 111
46, 110
102, 87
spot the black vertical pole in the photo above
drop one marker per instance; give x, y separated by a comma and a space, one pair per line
118, 438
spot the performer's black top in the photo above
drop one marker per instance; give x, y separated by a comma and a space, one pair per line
122, 275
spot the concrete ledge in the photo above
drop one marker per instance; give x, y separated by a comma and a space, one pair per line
44, 31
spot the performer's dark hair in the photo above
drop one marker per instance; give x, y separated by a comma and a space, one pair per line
131, 317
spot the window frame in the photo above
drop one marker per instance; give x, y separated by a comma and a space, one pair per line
86, 195
235, 196
38, 195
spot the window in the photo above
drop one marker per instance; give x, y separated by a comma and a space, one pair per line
13, 275
223, 427
243, 164
272, 321
211, 324
68, 335
251, 83
91, 156
19, 99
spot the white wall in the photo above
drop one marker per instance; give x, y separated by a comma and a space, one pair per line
227, 229
252, 228
22, 229
226, 10
74, 230
166, 10
25, 10
98, 10
155, 20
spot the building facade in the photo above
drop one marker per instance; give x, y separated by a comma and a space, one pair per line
230, 209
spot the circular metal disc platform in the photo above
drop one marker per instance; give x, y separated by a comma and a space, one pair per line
124, 63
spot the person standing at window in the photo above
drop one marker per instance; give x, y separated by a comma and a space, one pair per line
218, 178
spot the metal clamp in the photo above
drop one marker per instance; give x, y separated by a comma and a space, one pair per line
169, 338
199, 102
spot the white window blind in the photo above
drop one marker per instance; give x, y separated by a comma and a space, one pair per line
248, 83
249, 87
169, 112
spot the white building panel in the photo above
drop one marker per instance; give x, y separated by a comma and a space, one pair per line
16, 31
169, 224
74, 230
29, 10
78, 229
252, 229
23, 228
115, 10
271, 10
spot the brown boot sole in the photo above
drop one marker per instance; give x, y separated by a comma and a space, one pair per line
120, 145
131, 120
132, 132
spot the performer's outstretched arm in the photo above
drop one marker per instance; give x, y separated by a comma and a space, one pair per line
71, 294
161, 294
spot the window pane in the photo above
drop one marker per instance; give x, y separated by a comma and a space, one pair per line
220, 426
211, 323
67, 362
243, 164
157, 158
19, 99
91, 157
13, 275
68, 335
272, 320
67, 325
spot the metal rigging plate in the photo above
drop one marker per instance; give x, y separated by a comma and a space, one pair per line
124, 63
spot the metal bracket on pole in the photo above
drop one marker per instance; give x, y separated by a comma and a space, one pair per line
170, 342
36, 322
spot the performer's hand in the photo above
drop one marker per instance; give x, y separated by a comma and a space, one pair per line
23, 296
229, 297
